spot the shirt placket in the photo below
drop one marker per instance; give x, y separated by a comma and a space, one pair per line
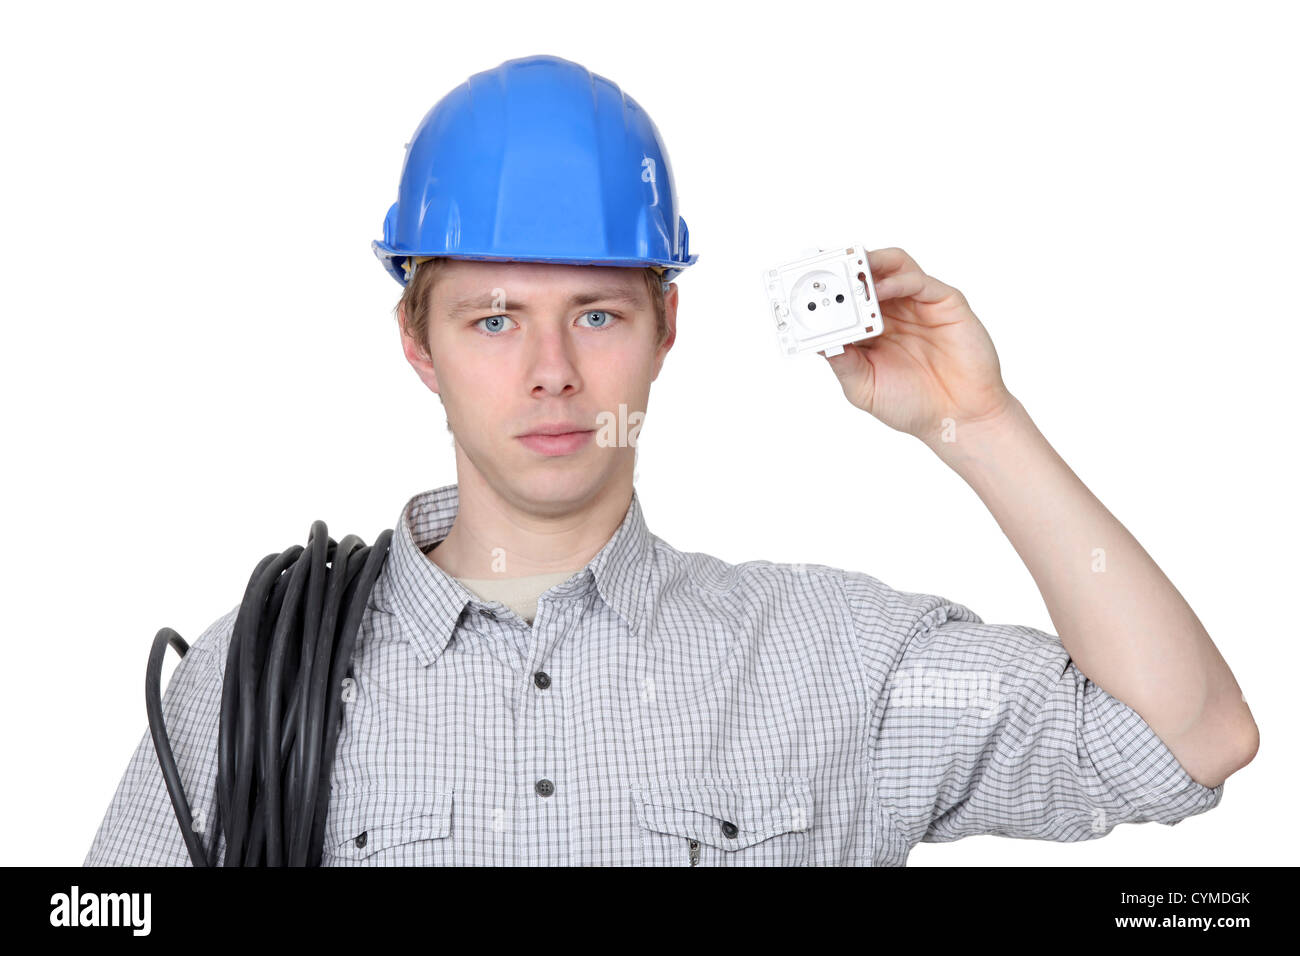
543, 797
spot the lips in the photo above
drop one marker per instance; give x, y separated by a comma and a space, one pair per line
559, 428
564, 443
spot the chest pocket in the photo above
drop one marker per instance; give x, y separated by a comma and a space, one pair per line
388, 828
725, 822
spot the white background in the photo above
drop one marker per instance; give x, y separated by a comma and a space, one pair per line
201, 358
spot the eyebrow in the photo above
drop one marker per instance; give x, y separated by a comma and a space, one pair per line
482, 303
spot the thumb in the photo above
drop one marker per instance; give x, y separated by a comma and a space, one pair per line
852, 363
856, 374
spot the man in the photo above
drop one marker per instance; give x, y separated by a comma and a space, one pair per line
540, 680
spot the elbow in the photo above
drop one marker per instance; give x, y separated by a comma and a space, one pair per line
1238, 742
1244, 734
1249, 745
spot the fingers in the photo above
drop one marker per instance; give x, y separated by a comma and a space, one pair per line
914, 285
887, 261
896, 275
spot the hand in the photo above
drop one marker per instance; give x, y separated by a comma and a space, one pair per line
933, 361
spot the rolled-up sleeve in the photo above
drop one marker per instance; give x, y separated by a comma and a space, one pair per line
140, 827
990, 728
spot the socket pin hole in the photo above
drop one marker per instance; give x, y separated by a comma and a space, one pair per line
812, 306
839, 298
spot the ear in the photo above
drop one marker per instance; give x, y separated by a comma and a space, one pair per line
670, 319
417, 356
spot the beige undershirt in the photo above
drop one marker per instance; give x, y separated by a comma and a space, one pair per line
518, 594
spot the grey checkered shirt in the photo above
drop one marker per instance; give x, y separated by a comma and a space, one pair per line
669, 708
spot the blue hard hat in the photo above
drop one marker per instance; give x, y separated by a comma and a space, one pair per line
537, 160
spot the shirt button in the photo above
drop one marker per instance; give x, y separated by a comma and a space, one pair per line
544, 787
542, 680
729, 829
488, 613
360, 841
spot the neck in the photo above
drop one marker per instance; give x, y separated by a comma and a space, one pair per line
498, 536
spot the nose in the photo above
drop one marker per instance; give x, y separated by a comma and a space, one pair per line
554, 369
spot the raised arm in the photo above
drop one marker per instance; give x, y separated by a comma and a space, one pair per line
934, 374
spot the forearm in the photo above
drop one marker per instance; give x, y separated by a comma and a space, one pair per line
1122, 621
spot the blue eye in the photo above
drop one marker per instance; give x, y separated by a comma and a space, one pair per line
496, 325
604, 324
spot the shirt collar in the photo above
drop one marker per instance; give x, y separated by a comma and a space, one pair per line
434, 601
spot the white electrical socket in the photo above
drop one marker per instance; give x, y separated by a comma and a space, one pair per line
823, 301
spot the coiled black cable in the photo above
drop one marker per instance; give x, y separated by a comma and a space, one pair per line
289, 651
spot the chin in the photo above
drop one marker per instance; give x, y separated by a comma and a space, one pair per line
560, 480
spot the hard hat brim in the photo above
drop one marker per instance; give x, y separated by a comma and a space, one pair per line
393, 260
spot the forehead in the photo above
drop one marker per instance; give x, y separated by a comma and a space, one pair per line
458, 277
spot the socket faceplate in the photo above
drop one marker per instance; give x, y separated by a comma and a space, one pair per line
823, 301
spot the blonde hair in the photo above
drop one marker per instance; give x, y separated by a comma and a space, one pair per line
422, 275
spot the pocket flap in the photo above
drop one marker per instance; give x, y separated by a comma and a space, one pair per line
728, 814
363, 821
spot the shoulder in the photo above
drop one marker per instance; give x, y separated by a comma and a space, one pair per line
213, 643
880, 610
865, 602
710, 577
